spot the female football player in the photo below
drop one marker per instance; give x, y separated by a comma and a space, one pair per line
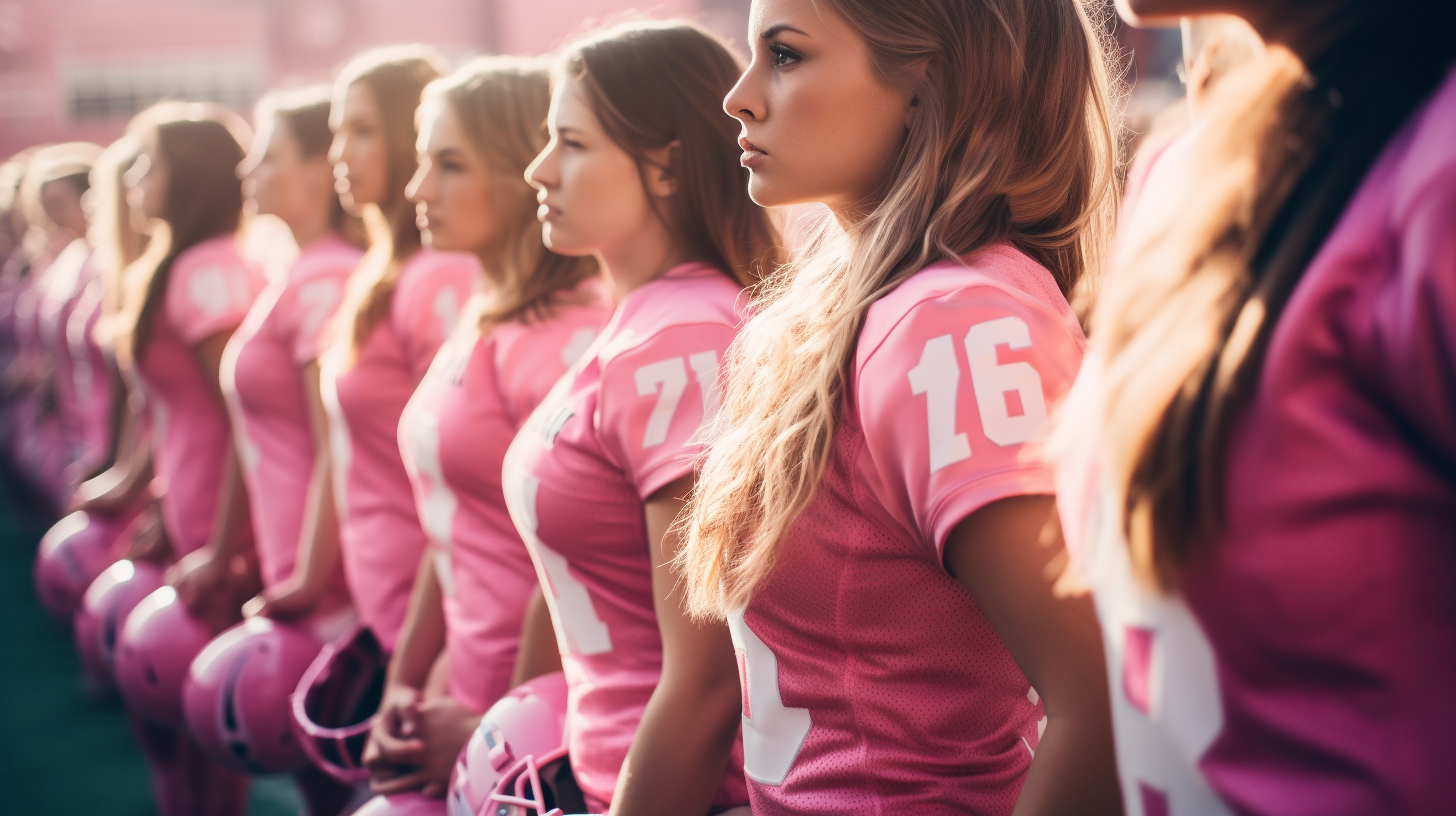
641, 174
270, 377
480, 128
188, 293
867, 517
400, 304
1257, 479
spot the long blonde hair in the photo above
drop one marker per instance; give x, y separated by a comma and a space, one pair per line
396, 76
1012, 141
501, 104
112, 234
1184, 324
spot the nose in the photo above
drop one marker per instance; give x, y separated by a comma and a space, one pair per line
742, 101
541, 172
417, 191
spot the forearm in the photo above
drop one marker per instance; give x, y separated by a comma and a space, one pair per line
538, 652
227, 540
678, 758
1074, 772
422, 639
318, 544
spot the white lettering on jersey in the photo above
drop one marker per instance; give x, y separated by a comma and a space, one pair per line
1162, 675
579, 630
992, 381
937, 376
341, 448
576, 345
212, 290
422, 425
667, 379
319, 299
772, 732
447, 309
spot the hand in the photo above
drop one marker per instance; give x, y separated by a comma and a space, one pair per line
290, 600
443, 727
394, 748
149, 540
211, 587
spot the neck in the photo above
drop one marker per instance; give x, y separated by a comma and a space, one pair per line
640, 260
307, 231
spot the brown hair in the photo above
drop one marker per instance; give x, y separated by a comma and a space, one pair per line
200, 146
115, 241
652, 84
304, 112
396, 76
1012, 141
501, 104
1185, 323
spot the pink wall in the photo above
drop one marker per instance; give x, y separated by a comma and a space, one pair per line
72, 69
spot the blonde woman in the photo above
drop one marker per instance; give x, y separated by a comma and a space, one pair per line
479, 129
867, 518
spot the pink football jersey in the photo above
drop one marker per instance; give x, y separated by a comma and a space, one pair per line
379, 531
1305, 665
62, 286
91, 375
263, 383
621, 425
209, 291
873, 683
454, 435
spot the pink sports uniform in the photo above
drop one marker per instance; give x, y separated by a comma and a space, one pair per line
454, 435
263, 383
379, 531
209, 291
872, 681
621, 425
1305, 667
91, 372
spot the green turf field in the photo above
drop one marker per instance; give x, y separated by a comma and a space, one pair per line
62, 754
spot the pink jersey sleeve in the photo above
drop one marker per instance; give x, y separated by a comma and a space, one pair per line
309, 306
209, 291
432, 289
950, 397
653, 400
1415, 327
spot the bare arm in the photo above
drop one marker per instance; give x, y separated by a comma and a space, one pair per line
1005, 554
538, 653
214, 580
318, 542
119, 486
681, 750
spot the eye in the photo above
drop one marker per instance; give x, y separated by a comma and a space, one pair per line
449, 166
782, 56
572, 143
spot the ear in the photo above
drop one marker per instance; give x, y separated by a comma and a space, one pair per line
661, 170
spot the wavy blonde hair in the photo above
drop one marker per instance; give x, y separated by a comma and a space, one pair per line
1013, 141
501, 104
396, 76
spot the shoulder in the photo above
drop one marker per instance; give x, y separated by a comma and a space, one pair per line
699, 304
1426, 176
950, 298
334, 259
435, 282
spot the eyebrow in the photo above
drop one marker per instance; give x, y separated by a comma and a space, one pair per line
774, 31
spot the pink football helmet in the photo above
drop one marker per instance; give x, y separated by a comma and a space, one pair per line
335, 703
104, 607
155, 650
235, 697
529, 722
72, 553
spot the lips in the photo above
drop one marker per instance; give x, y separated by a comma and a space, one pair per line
752, 153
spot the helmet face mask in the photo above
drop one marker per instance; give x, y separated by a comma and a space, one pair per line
335, 703
515, 763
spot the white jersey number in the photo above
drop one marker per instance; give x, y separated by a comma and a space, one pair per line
1163, 679
938, 377
668, 379
772, 732
579, 629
